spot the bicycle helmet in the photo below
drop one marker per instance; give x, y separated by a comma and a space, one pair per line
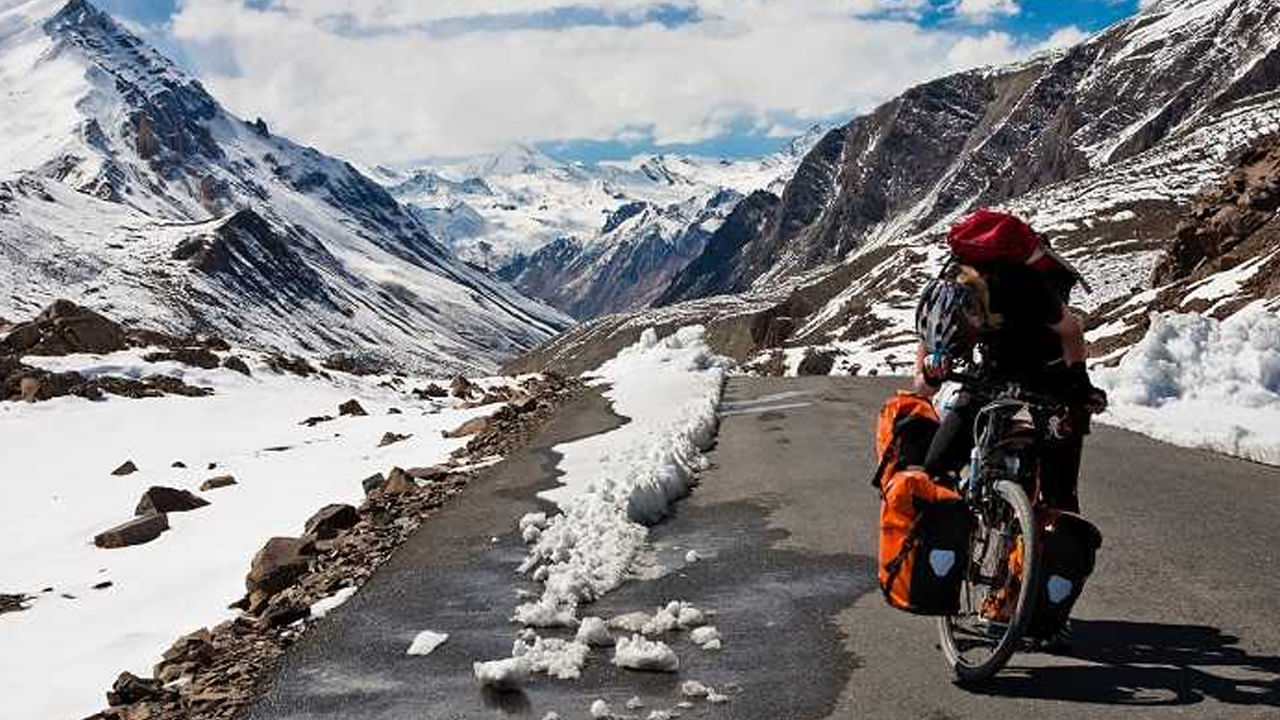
944, 324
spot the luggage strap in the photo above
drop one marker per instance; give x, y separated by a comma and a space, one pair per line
894, 566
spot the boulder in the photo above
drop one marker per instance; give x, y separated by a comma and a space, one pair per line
461, 387
291, 364
431, 391
195, 357
64, 328
214, 483
391, 438
129, 689
394, 411
237, 364
275, 567
474, 426
128, 468
178, 464
816, 362
331, 521
160, 500
135, 532
428, 474
285, 614
398, 482
188, 654
373, 482
351, 407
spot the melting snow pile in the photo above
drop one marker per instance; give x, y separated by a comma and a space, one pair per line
617, 483
1199, 382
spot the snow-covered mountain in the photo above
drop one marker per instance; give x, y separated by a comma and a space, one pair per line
124, 185
1102, 146
588, 238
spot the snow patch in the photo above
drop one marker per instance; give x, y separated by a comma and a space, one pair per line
637, 653
426, 642
324, 606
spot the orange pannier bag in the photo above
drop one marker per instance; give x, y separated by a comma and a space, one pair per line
924, 527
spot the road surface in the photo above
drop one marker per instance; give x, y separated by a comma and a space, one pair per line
1181, 618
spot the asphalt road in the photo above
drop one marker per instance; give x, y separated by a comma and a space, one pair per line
1180, 620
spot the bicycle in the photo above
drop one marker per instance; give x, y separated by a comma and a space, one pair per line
1001, 578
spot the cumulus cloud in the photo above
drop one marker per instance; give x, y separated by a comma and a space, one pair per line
986, 10
1063, 37
397, 80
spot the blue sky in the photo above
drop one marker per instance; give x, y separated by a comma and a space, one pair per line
400, 80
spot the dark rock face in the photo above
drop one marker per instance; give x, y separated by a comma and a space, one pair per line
1231, 224
392, 438
237, 364
160, 500
135, 532
981, 138
816, 362
352, 407
331, 521
126, 468
130, 688
712, 273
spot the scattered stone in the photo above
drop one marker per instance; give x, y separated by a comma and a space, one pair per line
355, 364
351, 407
103, 585
277, 448
392, 438
431, 391
128, 468
13, 603
211, 466
188, 654
316, 420
61, 329
373, 482
461, 387
195, 357
290, 364
275, 567
129, 689
283, 615
331, 521
474, 426
220, 481
428, 474
394, 411
178, 464
135, 532
816, 362
160, 500
237, 364
398, 482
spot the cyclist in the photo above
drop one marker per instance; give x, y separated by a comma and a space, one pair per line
1007, 322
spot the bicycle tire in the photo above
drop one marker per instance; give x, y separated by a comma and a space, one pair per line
966, 672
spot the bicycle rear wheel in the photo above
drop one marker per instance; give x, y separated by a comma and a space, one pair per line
998, 592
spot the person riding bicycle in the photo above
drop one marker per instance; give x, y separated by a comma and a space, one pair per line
1006, 321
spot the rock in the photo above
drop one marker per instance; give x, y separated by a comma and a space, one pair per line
135, 532
428, 474
280, 616
12, 603
214, 483
195, 357
816, 362
290, 364
178, 464
61, 329
129, 689
431, 391
103, 585
235, 363
394, 411
187, 654
128, 468
474, 426
373, 482
316, 420
331, 521
277, 566
160, 500
351, 407
211, 466
461, 387
398, 482
391, 438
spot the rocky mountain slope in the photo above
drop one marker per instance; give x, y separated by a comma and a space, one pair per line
587, 238
125, 186
1102, 146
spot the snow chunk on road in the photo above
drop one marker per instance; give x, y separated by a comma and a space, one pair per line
506, 674
616, 483
1199, 382
705, 635
324, 606
426, 642
601, 709
693, 688
637, 653
561, 659
594, 632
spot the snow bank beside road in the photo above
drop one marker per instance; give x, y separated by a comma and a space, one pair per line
1199, 382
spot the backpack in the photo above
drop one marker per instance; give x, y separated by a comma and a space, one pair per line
924, 541
1069, 544
924, 526
990, 237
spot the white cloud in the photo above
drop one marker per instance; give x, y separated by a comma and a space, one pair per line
404, 92
986, 10
1063, 37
